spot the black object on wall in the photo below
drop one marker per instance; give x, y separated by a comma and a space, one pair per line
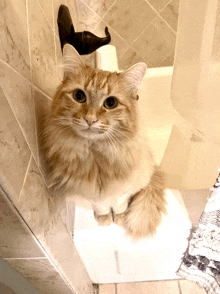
84, 42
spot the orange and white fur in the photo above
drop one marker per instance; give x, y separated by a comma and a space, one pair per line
94, 149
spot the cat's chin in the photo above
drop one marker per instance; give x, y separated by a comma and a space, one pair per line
91, 135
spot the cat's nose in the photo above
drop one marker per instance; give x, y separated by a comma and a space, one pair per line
90, 120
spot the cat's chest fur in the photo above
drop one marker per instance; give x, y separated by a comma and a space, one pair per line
98, 170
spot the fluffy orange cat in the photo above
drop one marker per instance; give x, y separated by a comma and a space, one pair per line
95, 151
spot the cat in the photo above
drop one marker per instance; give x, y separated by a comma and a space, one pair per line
94, 149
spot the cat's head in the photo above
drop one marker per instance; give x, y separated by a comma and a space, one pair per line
97, 104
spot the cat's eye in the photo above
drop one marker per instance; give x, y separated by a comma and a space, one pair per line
110, 103
79, 96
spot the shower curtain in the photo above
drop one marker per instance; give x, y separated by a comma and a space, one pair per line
193, 151
192, 156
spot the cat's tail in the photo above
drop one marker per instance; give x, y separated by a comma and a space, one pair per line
144, 213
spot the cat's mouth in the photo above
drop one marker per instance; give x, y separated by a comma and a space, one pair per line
91, 132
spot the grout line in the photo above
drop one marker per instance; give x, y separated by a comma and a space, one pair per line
25, 177
51, 25
139, 36
158, 14
20, 126
40, 245
116, 289
28, 80
165, 5
109, 9
133, 48
37, 160
167, 24
55, 47
42, 176
77, 10
41, 91
29, 43
98, 23
179, 286
53, 17
101, 17
35, 123
116, 33
32, 94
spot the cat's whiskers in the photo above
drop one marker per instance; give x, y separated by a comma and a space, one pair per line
56, 131
100, 127
62, 120
111, 141
51, 128
114, 138
104, 125
115, 130
77, 122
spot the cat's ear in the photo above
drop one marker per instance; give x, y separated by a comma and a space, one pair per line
134, 76
72, 60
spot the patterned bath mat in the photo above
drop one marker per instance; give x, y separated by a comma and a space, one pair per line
201, 262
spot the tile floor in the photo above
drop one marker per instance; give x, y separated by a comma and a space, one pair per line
161, 287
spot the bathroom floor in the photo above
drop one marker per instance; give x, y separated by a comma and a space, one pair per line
160, 287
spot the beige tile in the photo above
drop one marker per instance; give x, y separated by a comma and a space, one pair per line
56, 6
43, 213
116, 40
130, 18
87, 18
156, 43
107, 289
18, 92
36, 210
47, 7
216, 39
15, 154
41, 208
59, 61
14, 35
42, 48
129, 58
170, 14
42, 109
16, 239
165, 287
158, 4
188, 287
168, 61
99, 6
67, 259
42, 274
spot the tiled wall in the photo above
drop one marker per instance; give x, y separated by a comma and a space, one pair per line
29, 55
141, 30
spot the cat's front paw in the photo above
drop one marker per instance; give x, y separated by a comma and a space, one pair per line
103, 220
119, 219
